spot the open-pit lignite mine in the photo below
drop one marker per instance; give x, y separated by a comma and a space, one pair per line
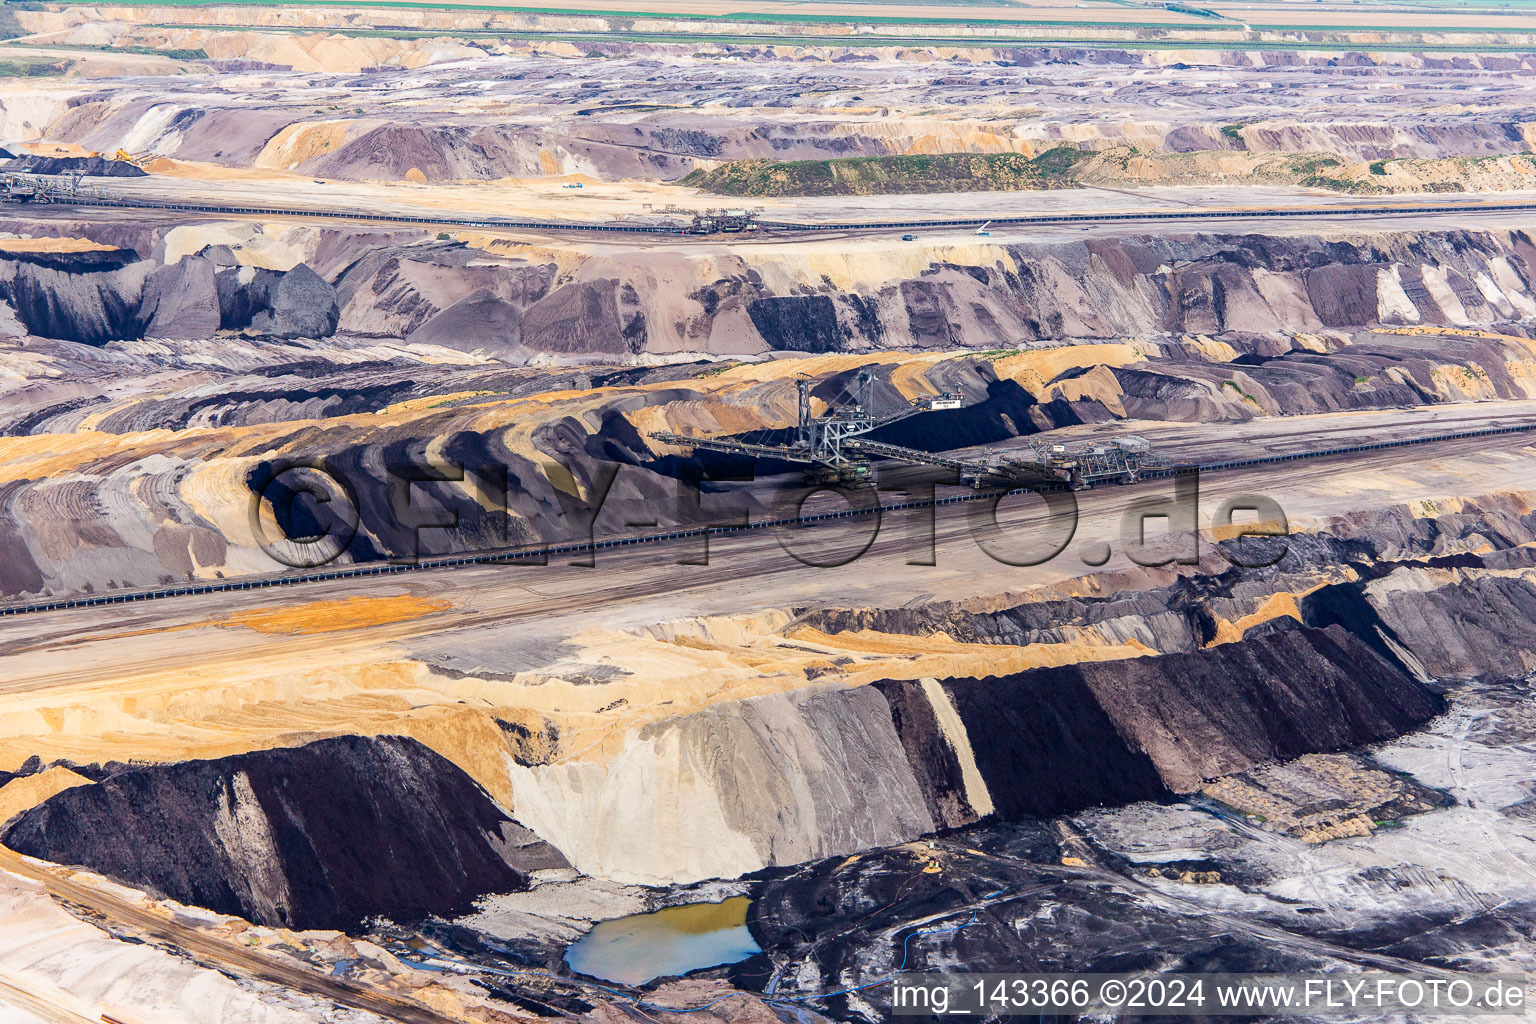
707, 600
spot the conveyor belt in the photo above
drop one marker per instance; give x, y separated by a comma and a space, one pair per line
793, 227
582, 547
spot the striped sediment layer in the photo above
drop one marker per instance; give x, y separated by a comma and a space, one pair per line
813, 773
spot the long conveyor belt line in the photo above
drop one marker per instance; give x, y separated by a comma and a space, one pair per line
790, 226
541, 551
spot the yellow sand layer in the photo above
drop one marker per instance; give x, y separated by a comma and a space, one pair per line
25, 793
50, 245
330, 616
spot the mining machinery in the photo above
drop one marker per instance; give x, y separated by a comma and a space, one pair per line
1122, 460
707, 222
835, 448
41, 188
823, 443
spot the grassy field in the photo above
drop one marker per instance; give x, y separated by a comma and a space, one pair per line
169, 53
887, 175
38, 68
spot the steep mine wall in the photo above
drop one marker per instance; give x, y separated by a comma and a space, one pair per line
814, 773
319, 836
1452, 623
98, 296
91, 297
1272, 697
1239, 287
1255, 292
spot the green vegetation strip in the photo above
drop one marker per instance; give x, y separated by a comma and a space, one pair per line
32, 68
171, 53
884, 175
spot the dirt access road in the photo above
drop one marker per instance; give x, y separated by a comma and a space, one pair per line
545, 205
